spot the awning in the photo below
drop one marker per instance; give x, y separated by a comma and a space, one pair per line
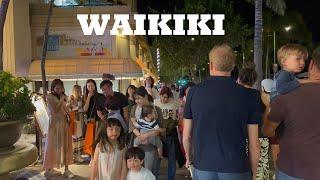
85, 68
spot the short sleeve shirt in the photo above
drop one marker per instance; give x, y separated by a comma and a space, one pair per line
300, 143
123, 101
220, 110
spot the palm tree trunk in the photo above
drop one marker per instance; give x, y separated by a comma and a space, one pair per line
3, 15
267, 59
258, 41
44, 51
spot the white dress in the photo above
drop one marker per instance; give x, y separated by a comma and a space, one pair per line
110, 164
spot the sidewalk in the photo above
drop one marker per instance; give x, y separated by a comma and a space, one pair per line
81, 171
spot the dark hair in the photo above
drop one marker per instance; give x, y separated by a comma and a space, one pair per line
173, 87
182, 92
248, 75
103, 139
141, 91
166, 90
112, 103
108, 76
152, 81
105, 82
134, 152
146, 110
316, 56
55, 83
132, 87
86, 91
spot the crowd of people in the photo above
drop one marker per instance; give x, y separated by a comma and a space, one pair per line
213, 126
121, 136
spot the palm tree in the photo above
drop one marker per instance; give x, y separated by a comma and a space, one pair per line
44, 51
278, 6
3, 15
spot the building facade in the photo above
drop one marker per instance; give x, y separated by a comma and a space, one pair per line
72, 56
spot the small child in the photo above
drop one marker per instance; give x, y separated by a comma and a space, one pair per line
146, 123
108, 162
134, 157
291, 58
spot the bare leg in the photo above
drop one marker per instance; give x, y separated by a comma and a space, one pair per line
275, 150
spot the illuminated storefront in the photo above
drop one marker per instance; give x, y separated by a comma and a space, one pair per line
71, 56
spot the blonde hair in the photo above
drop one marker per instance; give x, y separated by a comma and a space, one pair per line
291, 49
222, 57
76, 91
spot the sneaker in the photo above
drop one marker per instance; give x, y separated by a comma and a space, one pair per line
51, 173
68, 174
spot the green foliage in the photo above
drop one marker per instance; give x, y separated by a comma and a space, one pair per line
14, 97
185, 52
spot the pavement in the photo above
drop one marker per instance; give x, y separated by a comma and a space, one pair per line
81, 170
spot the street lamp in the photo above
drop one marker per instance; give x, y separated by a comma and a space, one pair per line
288, 28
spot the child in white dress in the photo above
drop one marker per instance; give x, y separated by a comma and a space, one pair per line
109, 162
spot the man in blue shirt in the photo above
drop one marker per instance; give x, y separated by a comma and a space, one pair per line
219, 118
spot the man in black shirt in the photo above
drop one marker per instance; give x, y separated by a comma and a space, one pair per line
106, 87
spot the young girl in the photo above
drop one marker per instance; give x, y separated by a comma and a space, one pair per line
77, 124
109, 162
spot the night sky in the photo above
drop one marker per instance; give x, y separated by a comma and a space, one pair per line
310, 10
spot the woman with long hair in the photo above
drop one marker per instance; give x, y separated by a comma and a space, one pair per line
90, 110
130, 95
149, 85
77, 124
58, 148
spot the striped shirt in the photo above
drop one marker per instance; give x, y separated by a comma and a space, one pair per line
147, 125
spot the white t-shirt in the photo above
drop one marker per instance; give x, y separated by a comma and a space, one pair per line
169, 110
143, 174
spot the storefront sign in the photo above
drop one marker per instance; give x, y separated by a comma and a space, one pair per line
73, 44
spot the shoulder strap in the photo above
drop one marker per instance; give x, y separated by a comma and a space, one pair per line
94, 104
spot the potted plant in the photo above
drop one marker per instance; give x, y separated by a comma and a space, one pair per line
15, 108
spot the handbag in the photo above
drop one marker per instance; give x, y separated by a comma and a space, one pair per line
90, 134
88, 140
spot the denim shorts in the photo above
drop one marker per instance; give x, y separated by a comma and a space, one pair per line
212, 175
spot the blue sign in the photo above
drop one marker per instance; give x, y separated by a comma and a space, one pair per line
53, 43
